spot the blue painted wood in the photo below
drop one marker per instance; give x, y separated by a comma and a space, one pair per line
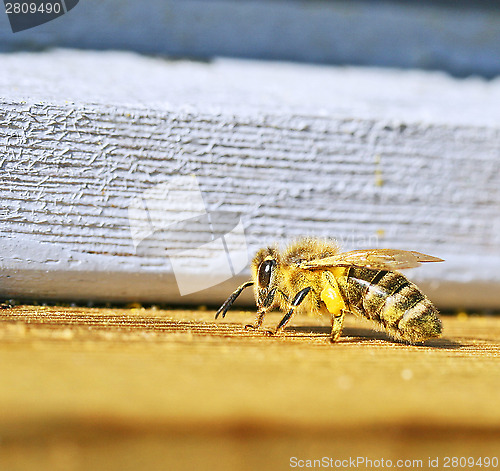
461, 38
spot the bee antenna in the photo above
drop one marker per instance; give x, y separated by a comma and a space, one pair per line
229, 301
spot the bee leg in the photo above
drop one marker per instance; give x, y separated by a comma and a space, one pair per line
337, 324
299, 297
334, 304
268, 301
258, 320
229, 301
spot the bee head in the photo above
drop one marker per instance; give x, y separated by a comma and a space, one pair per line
264, 268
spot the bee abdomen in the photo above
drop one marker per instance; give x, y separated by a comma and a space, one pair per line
420, 323
393, 301
408, 314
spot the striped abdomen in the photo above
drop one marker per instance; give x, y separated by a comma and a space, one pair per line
391, 300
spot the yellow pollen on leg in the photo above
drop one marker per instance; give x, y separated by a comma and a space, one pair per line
333, 300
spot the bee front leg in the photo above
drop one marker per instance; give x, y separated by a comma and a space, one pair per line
258, 320
263, 308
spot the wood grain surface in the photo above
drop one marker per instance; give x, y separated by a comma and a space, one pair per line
102, 388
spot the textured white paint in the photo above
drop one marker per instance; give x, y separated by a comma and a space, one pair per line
374, 158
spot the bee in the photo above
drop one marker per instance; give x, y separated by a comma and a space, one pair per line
313, 275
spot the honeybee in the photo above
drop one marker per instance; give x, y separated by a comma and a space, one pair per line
313, 275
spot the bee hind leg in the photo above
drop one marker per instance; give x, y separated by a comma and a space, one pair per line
337, 325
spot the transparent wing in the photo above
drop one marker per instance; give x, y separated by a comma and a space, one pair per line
382, 259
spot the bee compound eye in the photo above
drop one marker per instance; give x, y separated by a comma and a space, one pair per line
265, 271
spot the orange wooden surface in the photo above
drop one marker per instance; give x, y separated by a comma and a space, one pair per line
154, 389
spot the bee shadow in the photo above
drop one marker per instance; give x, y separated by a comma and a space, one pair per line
358, 334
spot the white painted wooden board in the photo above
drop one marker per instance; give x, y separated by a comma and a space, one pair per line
368, 156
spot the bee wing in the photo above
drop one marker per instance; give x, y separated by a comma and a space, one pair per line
383, 259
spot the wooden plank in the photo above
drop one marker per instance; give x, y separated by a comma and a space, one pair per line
111, 388
371, 158
461, 37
